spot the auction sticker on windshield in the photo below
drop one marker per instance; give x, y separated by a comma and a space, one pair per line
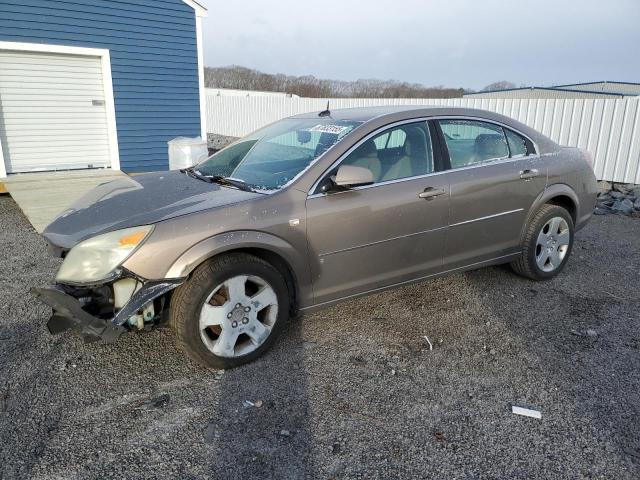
335, 129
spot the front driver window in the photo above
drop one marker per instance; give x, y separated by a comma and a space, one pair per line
400, 152
471, 142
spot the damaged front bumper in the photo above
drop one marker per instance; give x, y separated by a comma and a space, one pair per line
70, 311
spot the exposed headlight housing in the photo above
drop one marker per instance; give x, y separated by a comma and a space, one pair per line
95, 259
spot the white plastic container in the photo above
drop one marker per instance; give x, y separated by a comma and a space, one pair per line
186, 152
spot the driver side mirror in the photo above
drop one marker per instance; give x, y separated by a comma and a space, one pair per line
353, 176
347, 176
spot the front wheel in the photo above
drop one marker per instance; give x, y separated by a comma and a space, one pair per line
547, 244
230, 311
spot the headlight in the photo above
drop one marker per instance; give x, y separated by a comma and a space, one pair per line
94, 259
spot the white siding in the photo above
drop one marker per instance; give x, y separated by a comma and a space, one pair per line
52, 112
609, 129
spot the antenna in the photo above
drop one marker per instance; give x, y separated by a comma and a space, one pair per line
325, 113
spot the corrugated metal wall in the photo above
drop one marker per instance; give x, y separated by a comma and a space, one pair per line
615, 87
154, 61
541, 93
609, 129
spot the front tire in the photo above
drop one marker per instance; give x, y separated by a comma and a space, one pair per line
230, 311
547, 244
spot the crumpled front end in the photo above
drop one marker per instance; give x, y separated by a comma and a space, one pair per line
105, 311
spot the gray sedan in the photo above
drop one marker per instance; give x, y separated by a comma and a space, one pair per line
310, 211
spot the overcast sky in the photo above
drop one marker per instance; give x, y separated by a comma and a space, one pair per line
455, 43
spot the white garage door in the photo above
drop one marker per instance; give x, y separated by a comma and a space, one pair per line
52, 112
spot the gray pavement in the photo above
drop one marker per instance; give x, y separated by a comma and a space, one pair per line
349, 392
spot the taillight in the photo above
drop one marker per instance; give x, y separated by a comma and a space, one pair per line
587, 157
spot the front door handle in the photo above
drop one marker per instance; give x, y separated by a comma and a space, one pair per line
529, 174
431, 192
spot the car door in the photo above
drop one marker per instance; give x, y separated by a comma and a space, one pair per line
391, 231
495, 175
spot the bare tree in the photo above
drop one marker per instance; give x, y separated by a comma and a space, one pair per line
242, 78
501, 85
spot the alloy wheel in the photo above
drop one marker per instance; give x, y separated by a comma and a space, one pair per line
238, 316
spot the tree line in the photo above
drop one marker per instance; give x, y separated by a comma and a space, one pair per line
242, 78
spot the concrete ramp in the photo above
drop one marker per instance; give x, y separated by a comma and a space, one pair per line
42, 196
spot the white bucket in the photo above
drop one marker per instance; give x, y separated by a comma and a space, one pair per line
186, 152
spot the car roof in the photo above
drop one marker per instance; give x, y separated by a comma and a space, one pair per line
365, 114
393, 113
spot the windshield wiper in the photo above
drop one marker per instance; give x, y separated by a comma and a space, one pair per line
234, 182
192, 172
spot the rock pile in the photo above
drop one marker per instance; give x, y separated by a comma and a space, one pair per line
621, 198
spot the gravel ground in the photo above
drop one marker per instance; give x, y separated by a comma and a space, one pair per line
349, 392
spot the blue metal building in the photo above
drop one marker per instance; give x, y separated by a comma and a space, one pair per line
98, 83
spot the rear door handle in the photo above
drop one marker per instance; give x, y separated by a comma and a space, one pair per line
529, 174
431, 192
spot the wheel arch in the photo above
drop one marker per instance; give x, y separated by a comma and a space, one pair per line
569, 204
280, 264
270, 248
559, 194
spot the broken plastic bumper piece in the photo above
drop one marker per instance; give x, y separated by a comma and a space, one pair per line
68, 313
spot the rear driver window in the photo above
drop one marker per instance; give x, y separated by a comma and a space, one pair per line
471, 142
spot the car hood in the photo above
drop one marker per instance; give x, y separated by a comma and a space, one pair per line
141, 200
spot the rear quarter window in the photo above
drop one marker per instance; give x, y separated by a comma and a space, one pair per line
517, 144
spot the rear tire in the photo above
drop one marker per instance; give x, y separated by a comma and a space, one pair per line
230, 311
546, 245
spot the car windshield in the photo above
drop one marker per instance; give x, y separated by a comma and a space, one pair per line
271, 157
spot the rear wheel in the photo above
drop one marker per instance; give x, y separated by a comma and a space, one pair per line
547, 244
230, 311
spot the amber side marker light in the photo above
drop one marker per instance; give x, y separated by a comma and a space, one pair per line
132, 240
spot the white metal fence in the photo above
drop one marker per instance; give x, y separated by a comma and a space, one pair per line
609, 129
